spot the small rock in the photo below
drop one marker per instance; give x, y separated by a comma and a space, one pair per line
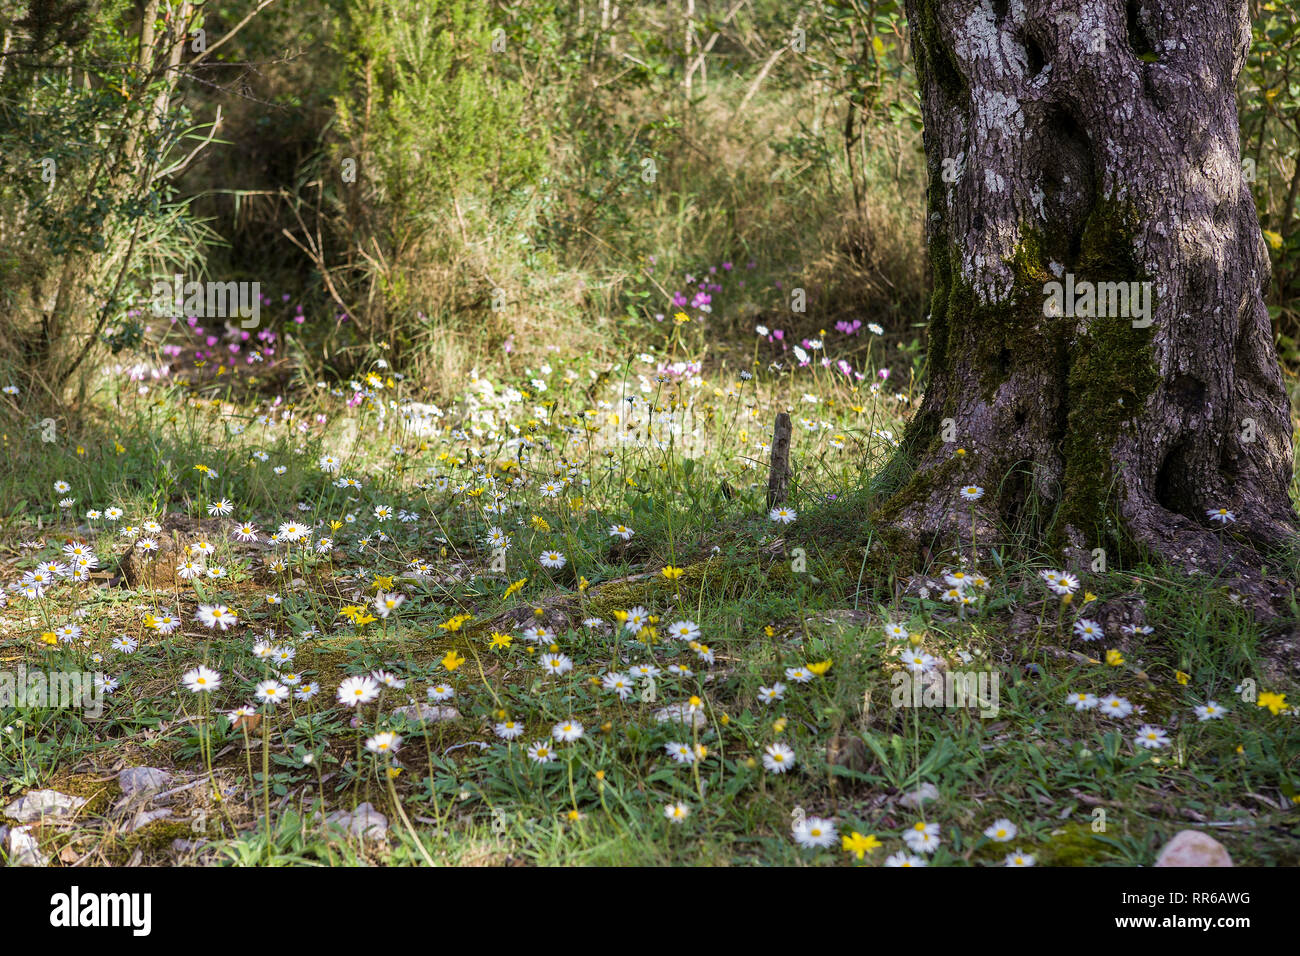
142, 781
427, 713
146, 817
364, 821
1193, 848
920, 796
24, 850
682, 714
1023, 624
37, 804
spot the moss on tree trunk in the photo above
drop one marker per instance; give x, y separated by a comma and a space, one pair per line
1058, 155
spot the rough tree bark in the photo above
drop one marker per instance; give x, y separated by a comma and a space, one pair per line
1099, 140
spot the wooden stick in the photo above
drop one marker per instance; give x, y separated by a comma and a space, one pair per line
778, 476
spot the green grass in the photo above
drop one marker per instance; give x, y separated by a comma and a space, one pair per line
766, 597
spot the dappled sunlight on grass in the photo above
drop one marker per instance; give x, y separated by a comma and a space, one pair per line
556, 621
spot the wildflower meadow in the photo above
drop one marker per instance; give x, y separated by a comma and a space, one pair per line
510, 434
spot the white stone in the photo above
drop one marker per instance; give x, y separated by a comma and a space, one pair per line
923, 794
24, 850
364, 821
38, 804
1193, 848
142, 780
146, 817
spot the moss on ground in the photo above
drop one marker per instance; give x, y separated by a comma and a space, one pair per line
1074, 844
604, 599
154, 842
98, 793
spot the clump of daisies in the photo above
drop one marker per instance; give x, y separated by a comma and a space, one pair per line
963, 588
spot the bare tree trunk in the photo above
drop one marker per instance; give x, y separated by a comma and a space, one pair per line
1088, 143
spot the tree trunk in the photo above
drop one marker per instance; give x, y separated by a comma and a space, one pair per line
1079, 143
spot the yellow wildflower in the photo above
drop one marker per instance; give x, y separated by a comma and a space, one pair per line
859, 845
1276, 703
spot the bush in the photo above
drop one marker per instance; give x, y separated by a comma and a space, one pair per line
86, 152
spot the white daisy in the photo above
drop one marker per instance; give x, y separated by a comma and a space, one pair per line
201, 680
357, 690
1210, 711
778, 757
1152, 738
814, 832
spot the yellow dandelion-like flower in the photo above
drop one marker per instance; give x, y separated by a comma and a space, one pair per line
858, 844
1276, 703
